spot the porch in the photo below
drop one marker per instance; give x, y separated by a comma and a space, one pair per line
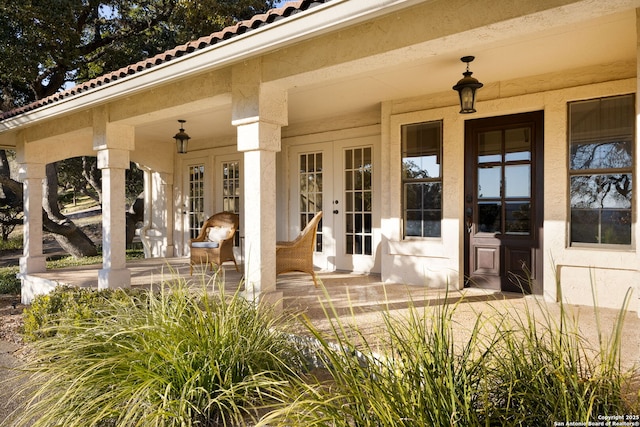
365, 293
362, 299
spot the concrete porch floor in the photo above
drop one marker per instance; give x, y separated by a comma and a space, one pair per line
362, 300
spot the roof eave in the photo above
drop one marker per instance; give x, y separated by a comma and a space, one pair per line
318, 20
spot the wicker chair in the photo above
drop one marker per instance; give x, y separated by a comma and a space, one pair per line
214, 244
297, 255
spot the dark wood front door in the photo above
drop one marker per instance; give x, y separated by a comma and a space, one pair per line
503, 202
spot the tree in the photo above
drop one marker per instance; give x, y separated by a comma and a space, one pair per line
46, 44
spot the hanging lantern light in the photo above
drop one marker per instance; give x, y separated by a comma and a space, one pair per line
182, 139
467, 87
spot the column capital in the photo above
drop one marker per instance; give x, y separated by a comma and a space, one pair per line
258, 135
111, 135
253, 100
31, 171
113, 159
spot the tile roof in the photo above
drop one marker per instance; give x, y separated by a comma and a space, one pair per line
273, 15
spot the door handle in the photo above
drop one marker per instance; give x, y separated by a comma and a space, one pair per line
335, 211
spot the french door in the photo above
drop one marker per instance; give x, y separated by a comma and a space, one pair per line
504, 202
337, 178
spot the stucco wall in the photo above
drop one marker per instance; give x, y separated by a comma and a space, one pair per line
440, 262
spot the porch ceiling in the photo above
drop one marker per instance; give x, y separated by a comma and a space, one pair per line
605, 39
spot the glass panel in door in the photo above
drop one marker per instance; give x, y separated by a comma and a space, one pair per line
196, 199
358, 212
311, 191
231, 190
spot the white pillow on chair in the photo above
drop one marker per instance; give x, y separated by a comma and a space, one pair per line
217, 233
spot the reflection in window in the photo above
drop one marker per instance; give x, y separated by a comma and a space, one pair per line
196, 199
358, 168
422, 179
489, 217
601, 145
311, 190
231, 191
504, 186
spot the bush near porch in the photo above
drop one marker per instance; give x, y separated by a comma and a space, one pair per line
185, 359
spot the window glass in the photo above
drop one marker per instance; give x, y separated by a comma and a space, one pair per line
601, 140
421, 179
311, 190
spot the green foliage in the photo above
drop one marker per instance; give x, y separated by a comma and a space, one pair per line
550, 375
507, 370
11, 244
174, 358
69, 305
71, 261
179, 358
9, 283
45, 44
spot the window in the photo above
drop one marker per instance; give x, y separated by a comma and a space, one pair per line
601, 140
422, 179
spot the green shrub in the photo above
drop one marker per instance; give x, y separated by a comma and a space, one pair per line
12, 244
9, 283
70, 305
177, 359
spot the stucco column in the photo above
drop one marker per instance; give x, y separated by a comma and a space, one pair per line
259, 112
33, 259
260, 207
114, 273
113, 143
157, 233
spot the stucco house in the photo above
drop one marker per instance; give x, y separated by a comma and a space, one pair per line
347, 106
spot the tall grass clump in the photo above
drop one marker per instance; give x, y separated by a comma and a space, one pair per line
174, 358
549, 372
418, 375
516, 367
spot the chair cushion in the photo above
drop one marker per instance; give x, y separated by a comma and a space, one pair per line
217, 233
205, 244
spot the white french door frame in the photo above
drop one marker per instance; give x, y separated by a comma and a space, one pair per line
333, 256
220, 195
185, 212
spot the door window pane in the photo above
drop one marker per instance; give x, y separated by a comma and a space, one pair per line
518, 218
358, 196
196, 199
489, 182
311, 191
517, 144
490, 147
518, 181
489, 217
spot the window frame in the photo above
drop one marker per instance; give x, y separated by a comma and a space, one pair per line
435, 180
601, 171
